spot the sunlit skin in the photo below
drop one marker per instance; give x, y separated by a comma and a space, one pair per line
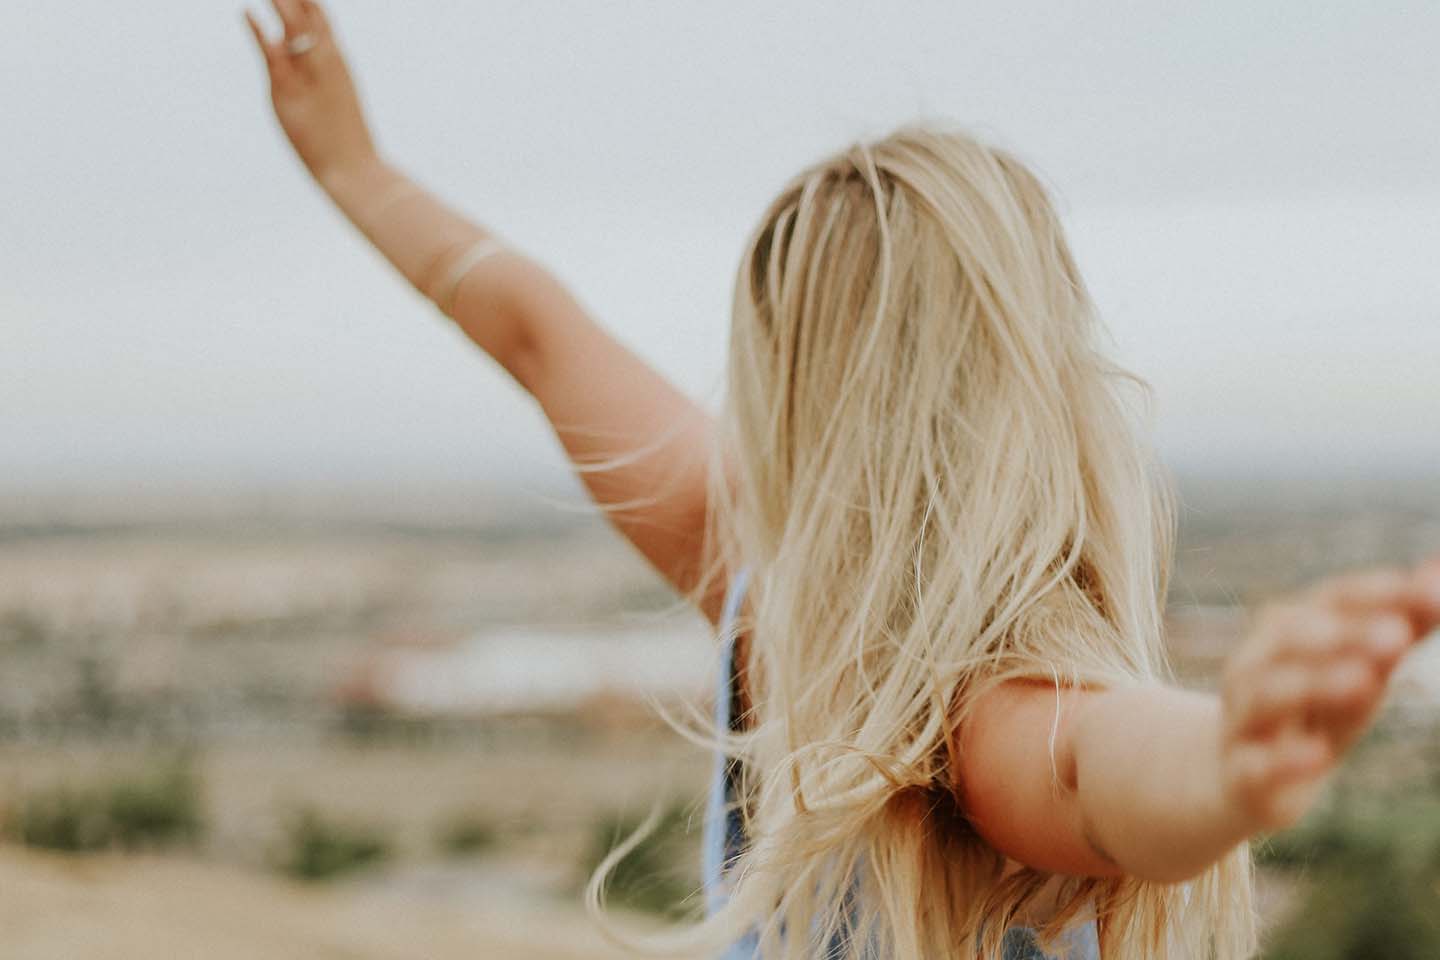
1155, 782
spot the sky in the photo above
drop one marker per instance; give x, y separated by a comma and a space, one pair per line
1252, 190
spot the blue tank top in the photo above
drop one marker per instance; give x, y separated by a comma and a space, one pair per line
724, 836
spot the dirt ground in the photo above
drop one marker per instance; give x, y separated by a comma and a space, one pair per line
129, 908
143, 908
225, 899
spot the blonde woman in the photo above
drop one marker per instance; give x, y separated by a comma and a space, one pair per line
946, 719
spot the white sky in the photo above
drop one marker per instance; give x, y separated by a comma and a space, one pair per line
1254, 195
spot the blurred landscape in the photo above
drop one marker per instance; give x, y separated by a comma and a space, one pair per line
349, 731
301, 652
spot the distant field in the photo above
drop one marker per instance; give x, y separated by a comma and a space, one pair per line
264, 650
542, 798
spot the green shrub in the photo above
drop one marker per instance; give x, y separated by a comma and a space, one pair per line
155, 809
22, 630
466, 835
1350, 915
159, 806
1327, 841
659, 875
1402, 835
318, 848
62, 818
1370, 883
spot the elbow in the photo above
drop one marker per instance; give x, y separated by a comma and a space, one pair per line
523, 335
499, 313
523, 358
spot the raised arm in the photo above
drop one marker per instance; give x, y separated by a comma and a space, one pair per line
603, 401
1159, 783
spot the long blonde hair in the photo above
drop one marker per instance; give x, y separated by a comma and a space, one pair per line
935, 478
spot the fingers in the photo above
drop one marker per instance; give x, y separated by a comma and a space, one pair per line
1275, 781
1311, 678
304, 23
1298, 631
1331, 698
266, 48
1262, 766
315, 16
1322, 662
257, 32
276, 61
1414, 594
292, 15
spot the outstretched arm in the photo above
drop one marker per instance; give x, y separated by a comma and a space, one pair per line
603, 401
1159, 783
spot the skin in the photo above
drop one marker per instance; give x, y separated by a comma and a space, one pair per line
1153, 781
601, 399
1159, 783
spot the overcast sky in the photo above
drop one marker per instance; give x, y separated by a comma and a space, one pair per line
1253, 191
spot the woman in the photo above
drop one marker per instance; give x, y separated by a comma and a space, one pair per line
947, 724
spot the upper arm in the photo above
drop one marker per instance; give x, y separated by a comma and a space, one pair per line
604, 402
1017, 777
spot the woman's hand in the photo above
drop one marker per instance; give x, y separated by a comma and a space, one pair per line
314, 98
1309, 682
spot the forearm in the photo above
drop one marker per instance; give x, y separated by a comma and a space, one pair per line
642, 447
415, 231
438, 251
1147, 778
1157, 783
428, 244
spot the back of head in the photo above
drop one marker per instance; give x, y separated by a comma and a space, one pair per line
933, 473
918, 407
